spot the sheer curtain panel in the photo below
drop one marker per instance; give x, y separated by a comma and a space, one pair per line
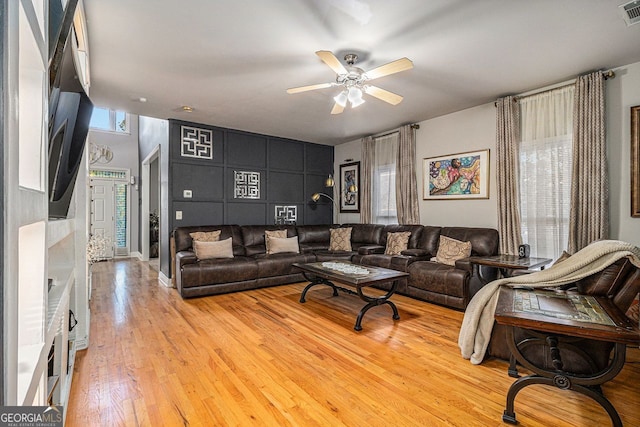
384, 179
545, 170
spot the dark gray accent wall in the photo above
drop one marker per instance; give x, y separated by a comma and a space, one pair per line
290, 172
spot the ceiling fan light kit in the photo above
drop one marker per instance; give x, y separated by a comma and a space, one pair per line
353, 80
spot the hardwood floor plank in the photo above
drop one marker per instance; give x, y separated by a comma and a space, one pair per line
262, 358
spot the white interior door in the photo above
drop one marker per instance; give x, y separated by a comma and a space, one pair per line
102, 212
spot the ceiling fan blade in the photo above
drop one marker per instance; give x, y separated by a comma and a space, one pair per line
310, 87
337, 109
384, 95
331, 60
390, 68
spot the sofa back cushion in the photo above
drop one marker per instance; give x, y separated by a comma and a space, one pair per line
429, 239
314, 233
484, 241
184, 241
254, 238
365, 234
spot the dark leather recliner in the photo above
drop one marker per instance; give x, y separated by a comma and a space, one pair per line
620, 282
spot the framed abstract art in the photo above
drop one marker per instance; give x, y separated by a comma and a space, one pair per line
456, 176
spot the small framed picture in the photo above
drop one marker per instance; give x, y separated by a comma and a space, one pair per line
456, 176
349, 182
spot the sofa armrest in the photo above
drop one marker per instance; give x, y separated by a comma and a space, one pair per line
185, 257
372, 249
464, 264
422, 253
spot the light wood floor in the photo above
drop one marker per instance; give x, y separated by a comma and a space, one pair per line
262, 358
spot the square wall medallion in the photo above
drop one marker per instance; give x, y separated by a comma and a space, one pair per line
286, 214
246, 185
196, 142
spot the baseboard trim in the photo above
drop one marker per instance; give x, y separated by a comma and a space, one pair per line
136, 254
164, 280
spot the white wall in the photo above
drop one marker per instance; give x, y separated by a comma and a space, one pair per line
467, 130
474, 129
125, 156
623, 92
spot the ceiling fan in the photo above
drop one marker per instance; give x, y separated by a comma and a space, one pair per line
354, 80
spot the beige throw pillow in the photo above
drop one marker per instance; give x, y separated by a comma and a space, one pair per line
209, 250
206, 236
268, 234
340, 239
397, 242
450, 250
283, 244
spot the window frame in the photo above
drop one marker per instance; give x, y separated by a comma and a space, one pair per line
113, 127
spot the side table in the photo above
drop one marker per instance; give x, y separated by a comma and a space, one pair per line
507, 264
556, 317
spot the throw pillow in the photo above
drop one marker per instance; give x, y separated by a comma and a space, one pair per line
209, 250
206, 236
283, 244
397, 242
450, 250
268, 234
340, 239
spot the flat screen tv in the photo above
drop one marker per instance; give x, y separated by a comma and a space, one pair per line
70, 126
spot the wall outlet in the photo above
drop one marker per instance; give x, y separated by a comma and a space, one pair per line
187, 194
178, 215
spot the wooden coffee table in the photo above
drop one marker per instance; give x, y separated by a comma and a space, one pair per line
324, 273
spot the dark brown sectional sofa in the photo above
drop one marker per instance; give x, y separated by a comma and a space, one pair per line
251, 267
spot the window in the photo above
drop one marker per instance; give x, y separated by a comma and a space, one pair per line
109, 120
384, 180
545, 170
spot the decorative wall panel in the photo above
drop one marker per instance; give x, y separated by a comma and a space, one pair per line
246, 185
196, 142
286, 214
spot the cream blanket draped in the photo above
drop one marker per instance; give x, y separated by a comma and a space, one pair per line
479, 315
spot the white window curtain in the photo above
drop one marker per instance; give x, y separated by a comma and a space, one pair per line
384, 180
545, 170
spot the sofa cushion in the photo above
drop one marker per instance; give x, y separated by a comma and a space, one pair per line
438, 278
184, 241
210, 250
206, 236
397, 242
280, 264
270, 234
451, 250
340, 239
285, 244
254, 238
220, 270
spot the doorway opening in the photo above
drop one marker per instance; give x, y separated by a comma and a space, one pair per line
150, 219
110, 210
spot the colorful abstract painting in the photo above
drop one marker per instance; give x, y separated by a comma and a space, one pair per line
457, 176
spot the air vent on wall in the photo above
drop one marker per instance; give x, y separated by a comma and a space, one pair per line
631, 12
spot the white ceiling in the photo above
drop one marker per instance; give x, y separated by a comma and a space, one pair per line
232, 60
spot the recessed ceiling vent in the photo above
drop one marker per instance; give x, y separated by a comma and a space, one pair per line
631, 12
